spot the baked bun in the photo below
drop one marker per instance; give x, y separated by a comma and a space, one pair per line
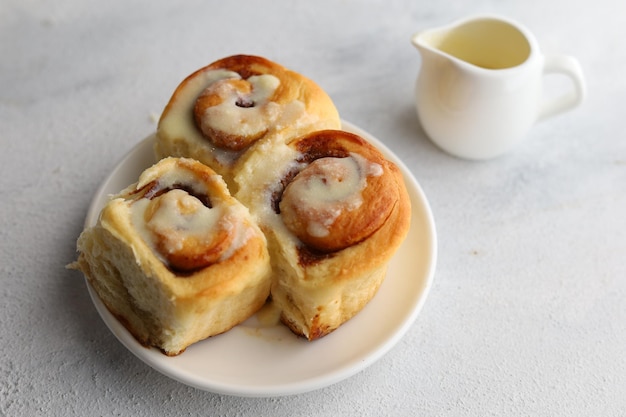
316, 216
334, 211
175, 257
220, 111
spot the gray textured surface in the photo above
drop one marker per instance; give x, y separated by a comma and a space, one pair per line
526, 316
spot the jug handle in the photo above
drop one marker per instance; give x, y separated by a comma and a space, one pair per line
569, 66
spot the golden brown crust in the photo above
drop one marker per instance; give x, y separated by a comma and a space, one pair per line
218, 112
318, 291
182, 250
213, 97
160, 306
346, 221
331, 208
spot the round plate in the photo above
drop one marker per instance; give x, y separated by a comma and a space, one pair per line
256, 359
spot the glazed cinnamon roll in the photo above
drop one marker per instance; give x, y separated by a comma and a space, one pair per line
175, 257
222, 110
334, 211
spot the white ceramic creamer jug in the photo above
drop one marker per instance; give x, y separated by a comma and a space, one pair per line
480, 86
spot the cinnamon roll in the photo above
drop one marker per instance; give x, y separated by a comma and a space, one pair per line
175, 257
334, 211
218, 113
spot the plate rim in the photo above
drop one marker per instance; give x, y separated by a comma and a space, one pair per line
165, 367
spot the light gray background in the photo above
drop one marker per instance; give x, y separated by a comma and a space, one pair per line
527, 313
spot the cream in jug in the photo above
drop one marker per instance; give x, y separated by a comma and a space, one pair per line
480, 87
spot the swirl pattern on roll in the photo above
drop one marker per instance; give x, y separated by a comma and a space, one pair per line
257, 193
182, 210
218, 112
341, 194
334, 211
175, 257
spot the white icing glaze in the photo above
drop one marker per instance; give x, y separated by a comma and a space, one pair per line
178, 124
180, 216
257, 185
242, 232
170, 219
293, 114
336, 187
230, 118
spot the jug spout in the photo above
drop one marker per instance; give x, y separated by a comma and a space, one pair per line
416, 40
423, 40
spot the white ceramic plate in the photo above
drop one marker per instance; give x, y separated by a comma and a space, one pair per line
257, 360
